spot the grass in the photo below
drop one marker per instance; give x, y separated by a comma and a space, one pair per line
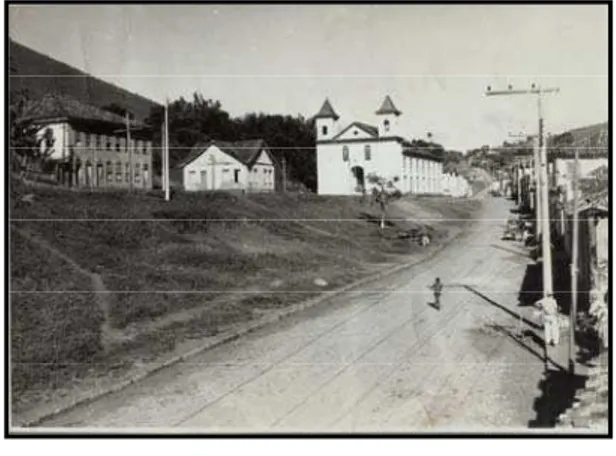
215, 257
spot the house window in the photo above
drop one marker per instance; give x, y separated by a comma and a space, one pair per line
118, 147
254, 170
324, 130
236, 175
108, 144
97, 141
119, 171
345, 153
225, 170
144, 148
87, 140
137, 173
109, 172
127, 172
386, 124
146, 174
367, 154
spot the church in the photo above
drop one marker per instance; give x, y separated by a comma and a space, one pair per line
346, 156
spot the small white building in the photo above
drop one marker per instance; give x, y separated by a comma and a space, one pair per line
346, 156
220, 165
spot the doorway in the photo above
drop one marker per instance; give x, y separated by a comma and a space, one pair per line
203, 182
358, 173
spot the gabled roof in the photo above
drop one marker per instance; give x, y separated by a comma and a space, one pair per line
246, 152
59, 106
370, 129
388, 107
327, 112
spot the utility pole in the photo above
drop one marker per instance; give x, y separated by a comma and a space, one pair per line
284, 175
166, 151
130, 152
542, 180
574, 267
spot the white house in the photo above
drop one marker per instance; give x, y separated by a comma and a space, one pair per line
219, 165
345, 156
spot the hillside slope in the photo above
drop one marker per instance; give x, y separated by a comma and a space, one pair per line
191, 267
27, 65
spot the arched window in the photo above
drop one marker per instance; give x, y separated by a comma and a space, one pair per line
324, 130
386, 124
345, 153
367, 153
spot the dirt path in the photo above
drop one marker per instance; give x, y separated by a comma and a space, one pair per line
379, 359
109, 335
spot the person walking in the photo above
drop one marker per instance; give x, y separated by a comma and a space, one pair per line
549, 309
437, 287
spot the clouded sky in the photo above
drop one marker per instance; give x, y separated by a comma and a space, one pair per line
434, 61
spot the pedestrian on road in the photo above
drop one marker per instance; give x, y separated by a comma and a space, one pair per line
437, 287
549, 308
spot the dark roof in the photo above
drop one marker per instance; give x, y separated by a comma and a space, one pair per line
327, 112
597, 200
58, 106
246, 152
388, 107
370, 129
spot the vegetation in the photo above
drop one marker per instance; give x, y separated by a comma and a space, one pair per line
383, 192
289, 138
27, 152
202, 261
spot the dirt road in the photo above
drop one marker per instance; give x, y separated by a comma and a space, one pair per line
373, 360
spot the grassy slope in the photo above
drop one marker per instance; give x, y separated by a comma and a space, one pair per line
216, 257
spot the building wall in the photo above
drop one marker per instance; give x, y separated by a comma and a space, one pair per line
100, 160
216, 170
334, 175
106, 160
563, 171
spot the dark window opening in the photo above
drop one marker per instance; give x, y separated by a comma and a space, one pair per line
236, 175
324, 130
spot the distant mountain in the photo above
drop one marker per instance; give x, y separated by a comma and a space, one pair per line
592, 141
61, 78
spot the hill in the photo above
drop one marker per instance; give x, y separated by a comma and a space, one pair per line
62, 78
183, 270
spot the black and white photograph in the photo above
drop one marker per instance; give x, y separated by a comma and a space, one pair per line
278, 219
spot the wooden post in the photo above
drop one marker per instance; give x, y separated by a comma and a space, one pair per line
166, 151
284, 175
130, 153
574, 268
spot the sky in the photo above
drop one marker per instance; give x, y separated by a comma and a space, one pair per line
435, 61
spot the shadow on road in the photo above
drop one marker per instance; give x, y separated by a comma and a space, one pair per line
532, 324
532, 285
557, 393
505, 249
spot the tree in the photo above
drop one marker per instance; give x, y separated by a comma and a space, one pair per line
383, 192
199, 120
27, 151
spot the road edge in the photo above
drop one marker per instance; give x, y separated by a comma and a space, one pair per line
228, 336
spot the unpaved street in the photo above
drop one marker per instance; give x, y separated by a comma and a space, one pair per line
379, 359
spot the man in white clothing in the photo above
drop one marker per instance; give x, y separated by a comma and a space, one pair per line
549, 308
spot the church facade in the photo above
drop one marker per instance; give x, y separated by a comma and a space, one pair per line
347, 156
